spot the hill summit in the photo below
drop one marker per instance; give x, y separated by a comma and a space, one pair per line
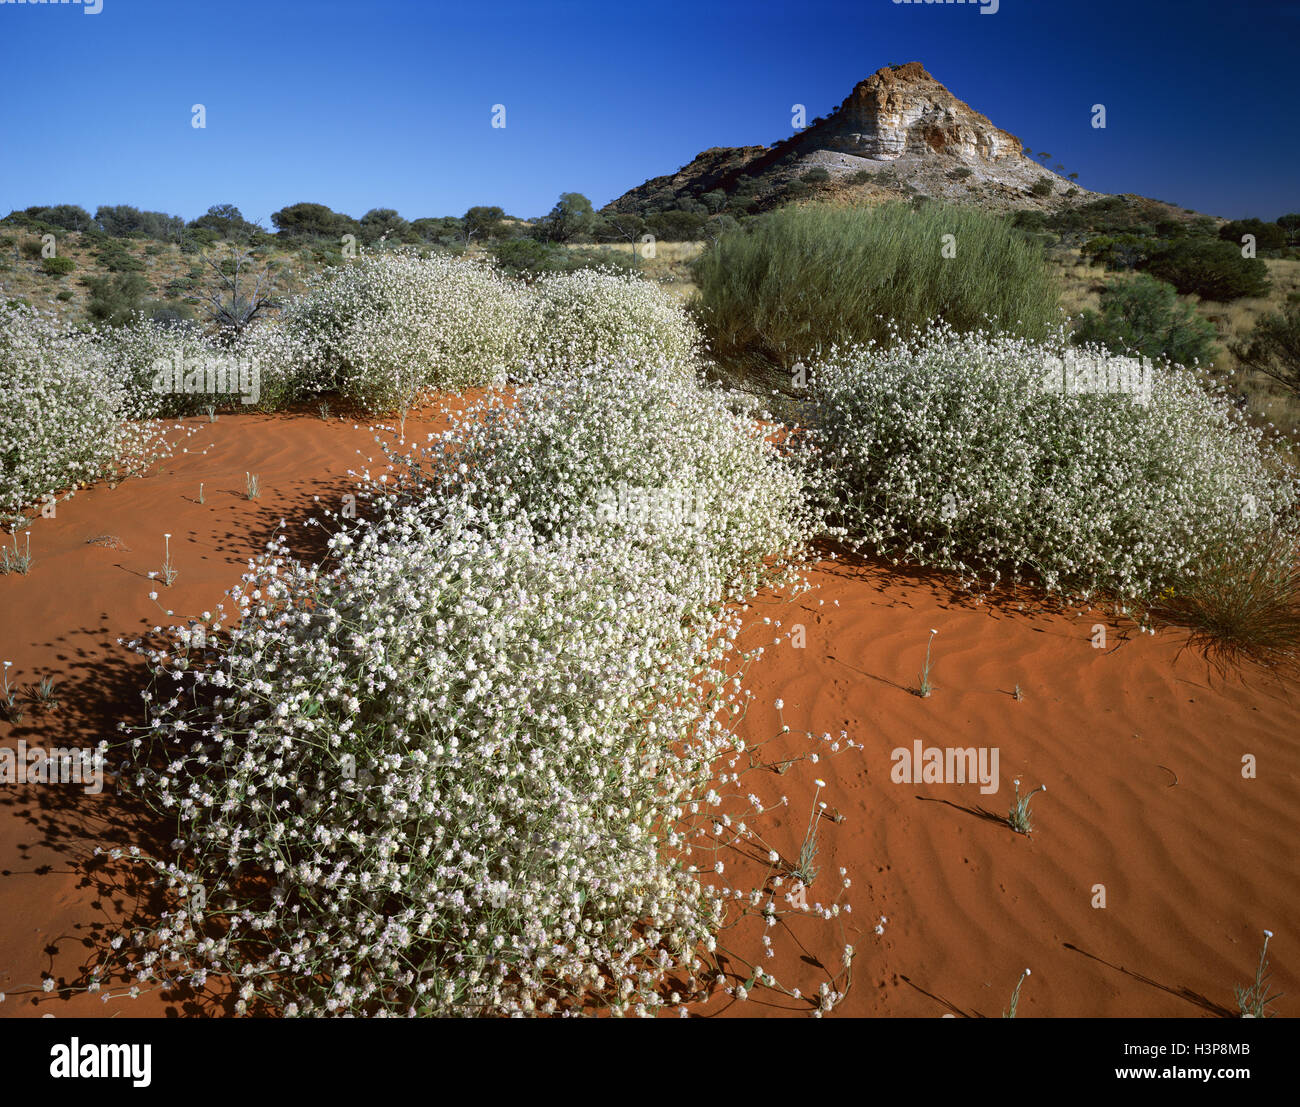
899, 131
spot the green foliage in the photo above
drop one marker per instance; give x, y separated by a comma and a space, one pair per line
30, 248
122, 219
1120, 251
801, 279
378, 222
226, 222
960, 173
1274, 347
571, 218
116, 258
526, 257
1268, 236
486, 222
68, 217
1042, 187
58, 266
675, 225
1211, 270
815, 175
115, 300
313, 221
1144, 316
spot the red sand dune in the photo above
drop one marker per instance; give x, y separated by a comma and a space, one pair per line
1140, 745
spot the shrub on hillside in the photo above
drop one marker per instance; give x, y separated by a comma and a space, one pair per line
58, 266
1142, 315
1209, 269
800, 280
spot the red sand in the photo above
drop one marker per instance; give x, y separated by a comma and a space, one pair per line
1140, 745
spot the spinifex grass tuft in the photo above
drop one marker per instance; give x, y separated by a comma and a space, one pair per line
1253, 1001
1010, 1013
252, 486
1019, 817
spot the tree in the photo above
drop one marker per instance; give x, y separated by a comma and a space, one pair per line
230, 309
228, 223
306, 221
1268, 236
572, 216
1274, 347
482, 223
1213, 270
378, 222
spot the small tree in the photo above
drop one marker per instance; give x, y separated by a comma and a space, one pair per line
230, 308
572, 216
1274, 348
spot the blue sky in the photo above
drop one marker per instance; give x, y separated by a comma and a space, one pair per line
381, 103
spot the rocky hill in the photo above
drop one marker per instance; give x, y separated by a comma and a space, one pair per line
899, 132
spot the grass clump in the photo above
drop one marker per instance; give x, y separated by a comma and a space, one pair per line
795, 282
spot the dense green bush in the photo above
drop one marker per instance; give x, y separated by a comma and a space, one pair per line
1144, 316
800, 280
58, 266
815, 176
1211, 270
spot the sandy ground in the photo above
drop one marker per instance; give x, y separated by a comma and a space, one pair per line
1140, 744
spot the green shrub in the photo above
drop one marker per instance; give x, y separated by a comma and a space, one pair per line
816, 175
30, 248
1144, 316
800, 280
1041, 187
1211, 270
64, 294
58, 266
1268, 236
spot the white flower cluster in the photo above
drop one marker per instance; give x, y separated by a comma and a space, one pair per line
559, 446
471, 755
593, 317
948, 450
392, 326
66, 414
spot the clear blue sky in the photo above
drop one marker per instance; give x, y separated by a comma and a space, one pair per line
384, 103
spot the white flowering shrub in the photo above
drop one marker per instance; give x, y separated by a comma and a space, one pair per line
66, 414
472, 766
642, 457
462, 753
964, 452
389, 327
596, 316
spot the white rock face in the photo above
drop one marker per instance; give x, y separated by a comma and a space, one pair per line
905, 110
